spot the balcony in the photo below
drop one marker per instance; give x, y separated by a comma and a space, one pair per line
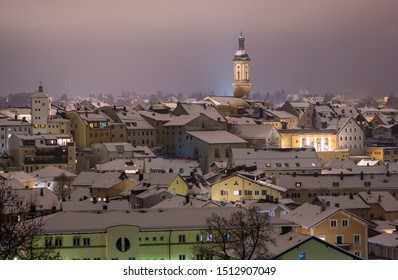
32, 159
57, 151
344, 246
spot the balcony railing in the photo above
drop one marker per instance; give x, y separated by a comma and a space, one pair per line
345, 246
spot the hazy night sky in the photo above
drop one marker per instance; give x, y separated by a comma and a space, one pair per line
186, 46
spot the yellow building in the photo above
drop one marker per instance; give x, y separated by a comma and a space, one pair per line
59, 125
238, 188
333, 225
326, 156
385, 154
89, 128
111, 187
144, 234
178, 185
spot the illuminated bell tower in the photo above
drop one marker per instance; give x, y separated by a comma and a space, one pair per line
241, 84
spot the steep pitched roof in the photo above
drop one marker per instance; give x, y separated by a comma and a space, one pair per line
384, 199
216, 137
252, 131
308, 215
344, 201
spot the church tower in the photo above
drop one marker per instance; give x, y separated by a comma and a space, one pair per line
241, 85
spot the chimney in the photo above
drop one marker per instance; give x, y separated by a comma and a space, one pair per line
86, 113
379, 198
114, 107
186, 198
41, 192
341, 176
15, 117
140, 177
124, 109
361, 175
351, 196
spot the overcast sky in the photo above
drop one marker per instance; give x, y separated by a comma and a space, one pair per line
80, 47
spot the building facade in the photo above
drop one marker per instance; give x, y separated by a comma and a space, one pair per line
32, 152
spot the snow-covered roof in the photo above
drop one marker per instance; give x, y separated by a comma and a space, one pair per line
384, 199
216, 137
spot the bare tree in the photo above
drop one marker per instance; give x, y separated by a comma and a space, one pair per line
20, 236
245, 235
61, 188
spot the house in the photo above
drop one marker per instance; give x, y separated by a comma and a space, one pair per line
275, 162
43, 200
172, 182
229, 105
352, 203
176, 130
106, 152
197, 109
87, 179
279, 118
10, 126
94, 127
57, 124
383, 246
273, 209
382, 205
183, 166
295, 108
305, 187
383, 154
209, 146
32, 152
387, 132
49, 175
138, 130
258, 136
121, 165
239, 188
333, 225
23, 178
296, 246
111, 186
157, 121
